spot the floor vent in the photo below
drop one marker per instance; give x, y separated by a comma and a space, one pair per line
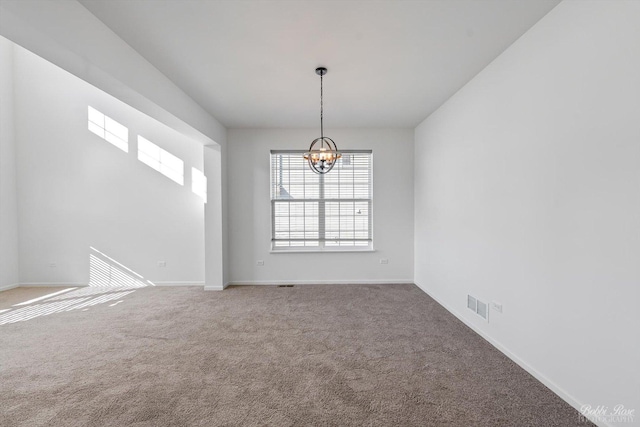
285, 286
478, 307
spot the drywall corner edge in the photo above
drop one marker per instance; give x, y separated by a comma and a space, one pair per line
214, 242
9, 286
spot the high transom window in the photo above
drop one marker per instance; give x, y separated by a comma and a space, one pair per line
310, 211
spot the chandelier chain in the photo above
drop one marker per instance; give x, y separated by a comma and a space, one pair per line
321, 110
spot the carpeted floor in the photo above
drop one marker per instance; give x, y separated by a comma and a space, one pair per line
351, 355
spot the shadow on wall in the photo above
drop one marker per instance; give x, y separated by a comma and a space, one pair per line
109, 282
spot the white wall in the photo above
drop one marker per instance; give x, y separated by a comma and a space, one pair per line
8, 196
78, 191
68, 35
527, 192
249, 209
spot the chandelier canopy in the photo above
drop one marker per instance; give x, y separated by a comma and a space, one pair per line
323, 152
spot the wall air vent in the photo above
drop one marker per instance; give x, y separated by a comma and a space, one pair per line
478, 307
482, 310
471, 303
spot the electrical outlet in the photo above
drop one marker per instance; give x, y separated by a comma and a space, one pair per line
260, 263
162, 263
384, 261
496, 306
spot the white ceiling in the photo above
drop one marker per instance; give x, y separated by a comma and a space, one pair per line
251, 63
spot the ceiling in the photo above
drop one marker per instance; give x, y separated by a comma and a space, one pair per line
251, 63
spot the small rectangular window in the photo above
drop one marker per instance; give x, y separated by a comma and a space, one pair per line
108, 129
161, 160
321, 212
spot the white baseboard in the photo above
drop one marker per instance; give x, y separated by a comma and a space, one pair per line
173, 284
519, 361
9, 286
216, 288
318, 282
52, 284
78, 284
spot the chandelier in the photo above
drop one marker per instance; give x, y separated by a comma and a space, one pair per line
323, 152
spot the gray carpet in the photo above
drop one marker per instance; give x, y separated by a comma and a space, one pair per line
383, 355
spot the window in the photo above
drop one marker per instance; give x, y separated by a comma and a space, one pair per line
108, 129
321, 212
161, 160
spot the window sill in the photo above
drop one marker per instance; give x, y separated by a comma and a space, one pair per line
318, 251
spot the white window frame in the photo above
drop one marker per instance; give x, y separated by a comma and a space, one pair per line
322, 202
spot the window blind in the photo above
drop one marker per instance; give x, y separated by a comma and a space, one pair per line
333, 210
